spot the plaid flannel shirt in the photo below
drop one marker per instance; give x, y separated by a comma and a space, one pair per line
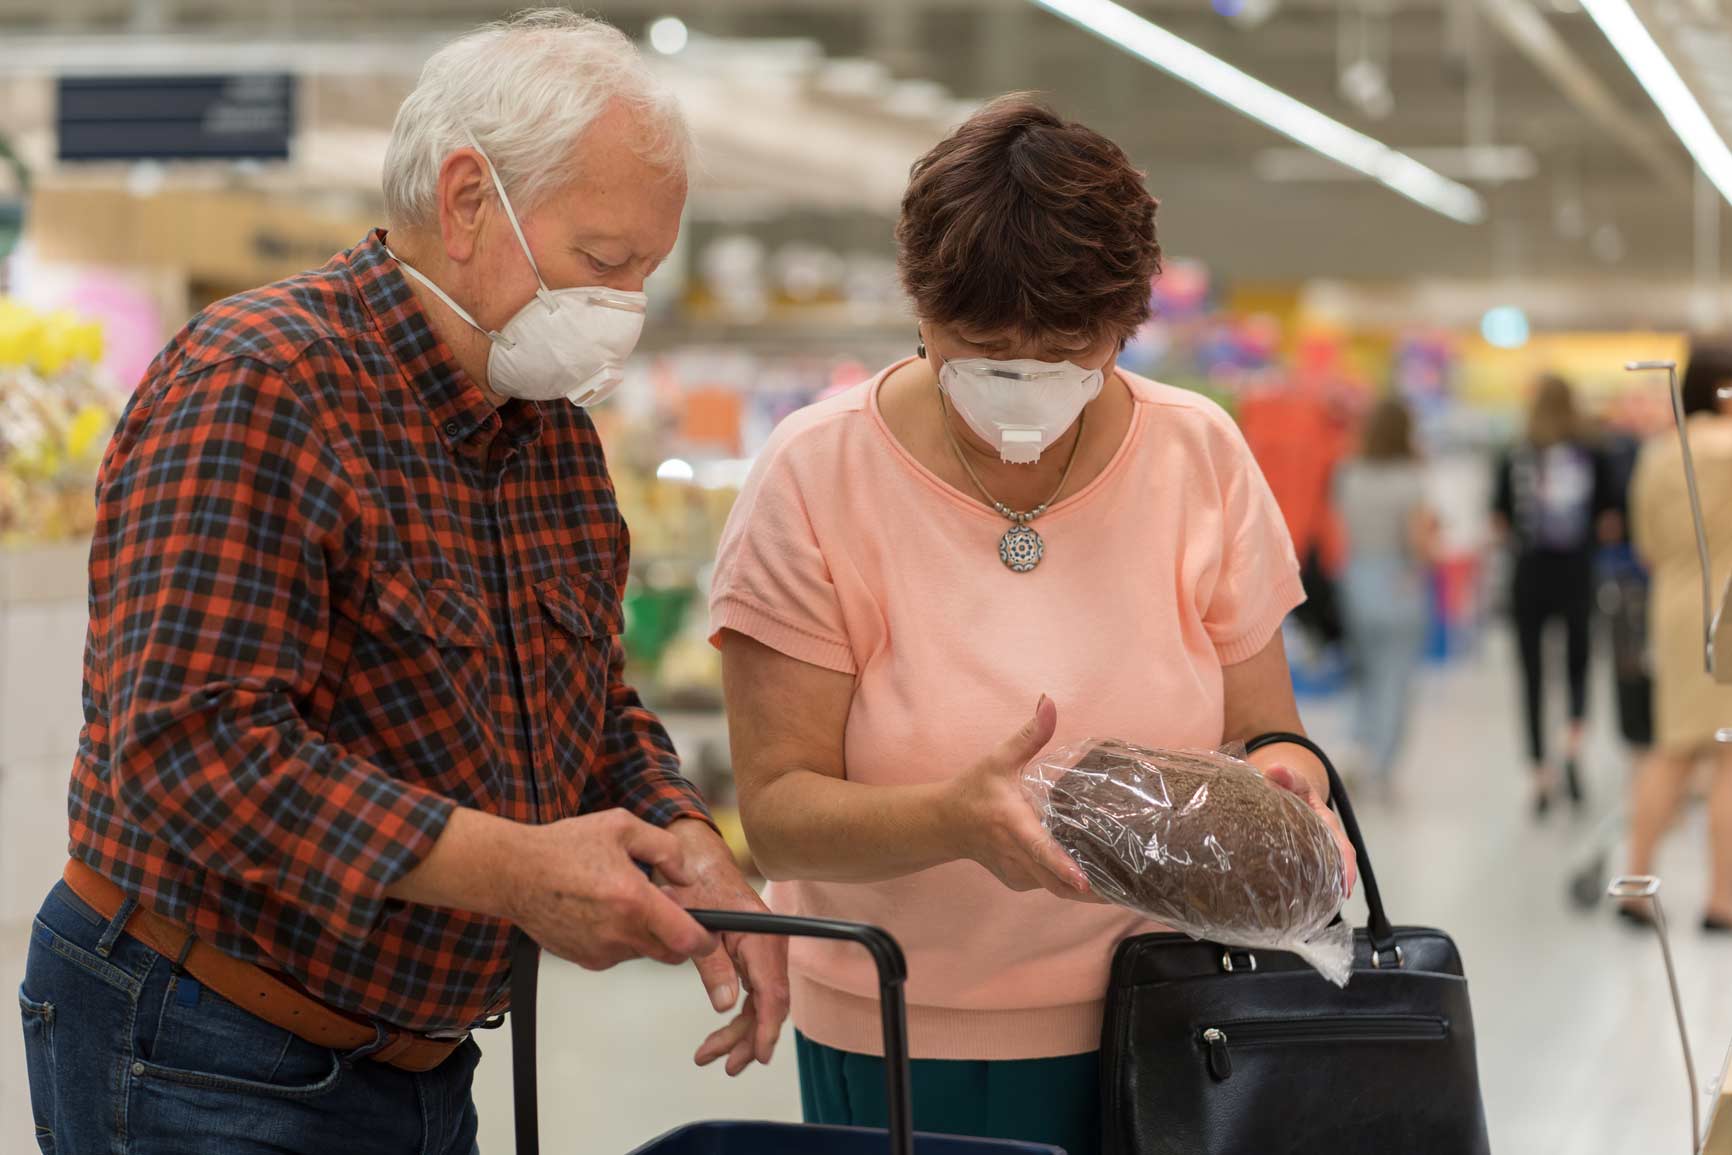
335, 593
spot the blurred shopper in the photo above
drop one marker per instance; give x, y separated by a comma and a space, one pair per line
1391, 535
1689, 705
353, 693
917, 563
1554, 501
1300, 432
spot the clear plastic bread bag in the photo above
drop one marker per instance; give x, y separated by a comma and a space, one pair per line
1198, 841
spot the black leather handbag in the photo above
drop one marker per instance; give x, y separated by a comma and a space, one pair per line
1214, 1051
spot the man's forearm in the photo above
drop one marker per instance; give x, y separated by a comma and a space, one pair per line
469, 867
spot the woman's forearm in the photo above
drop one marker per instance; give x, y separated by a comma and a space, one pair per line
1258, 701
808, 825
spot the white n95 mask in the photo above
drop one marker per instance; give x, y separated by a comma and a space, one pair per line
569, 343
1019, 407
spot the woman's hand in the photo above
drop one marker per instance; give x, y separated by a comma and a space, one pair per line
1299, 784
997, 826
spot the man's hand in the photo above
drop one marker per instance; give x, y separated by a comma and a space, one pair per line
757, 964
575, 888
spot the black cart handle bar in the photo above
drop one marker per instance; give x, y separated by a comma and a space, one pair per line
892, 977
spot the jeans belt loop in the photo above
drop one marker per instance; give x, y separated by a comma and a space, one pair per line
116, 925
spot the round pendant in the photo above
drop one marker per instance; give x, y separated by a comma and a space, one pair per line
1021, 548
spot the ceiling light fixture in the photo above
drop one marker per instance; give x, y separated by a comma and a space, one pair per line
669, 35
1655, 73
1243, 92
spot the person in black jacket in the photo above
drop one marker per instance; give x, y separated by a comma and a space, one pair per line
1555, 499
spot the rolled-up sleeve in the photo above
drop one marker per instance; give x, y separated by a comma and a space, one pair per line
233, 513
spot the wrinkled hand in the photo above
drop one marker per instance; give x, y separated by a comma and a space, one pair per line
754, 963
575, 888
998, 827
1293, 781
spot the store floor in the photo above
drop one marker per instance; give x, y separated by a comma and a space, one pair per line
1578, 1051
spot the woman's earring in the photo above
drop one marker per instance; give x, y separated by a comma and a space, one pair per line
920, 348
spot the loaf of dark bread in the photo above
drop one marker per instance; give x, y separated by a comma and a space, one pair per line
1198, 841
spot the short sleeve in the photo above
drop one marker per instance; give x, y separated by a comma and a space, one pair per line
772, 582
1257, 584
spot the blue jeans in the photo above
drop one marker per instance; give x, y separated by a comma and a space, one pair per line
127, 1058
1387, 618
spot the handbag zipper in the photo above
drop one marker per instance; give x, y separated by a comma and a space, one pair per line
1348, 1028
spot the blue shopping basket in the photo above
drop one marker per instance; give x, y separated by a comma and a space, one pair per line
734, 1138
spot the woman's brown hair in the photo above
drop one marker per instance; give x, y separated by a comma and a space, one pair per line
1709, 371
1553, 419
1025, 222
1388, 434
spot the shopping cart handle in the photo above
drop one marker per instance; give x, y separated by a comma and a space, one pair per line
892, 977
886, 951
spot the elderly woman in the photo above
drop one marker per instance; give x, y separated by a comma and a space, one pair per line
928, 576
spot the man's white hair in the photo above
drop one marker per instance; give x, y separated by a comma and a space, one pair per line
525, 88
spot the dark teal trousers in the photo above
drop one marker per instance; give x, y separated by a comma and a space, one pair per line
1054, 1101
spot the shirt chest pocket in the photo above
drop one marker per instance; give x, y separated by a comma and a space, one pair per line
581, 620
419, 689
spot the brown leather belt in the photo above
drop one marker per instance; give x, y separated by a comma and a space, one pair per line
256, 990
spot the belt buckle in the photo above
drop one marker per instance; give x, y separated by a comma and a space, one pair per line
449, 1035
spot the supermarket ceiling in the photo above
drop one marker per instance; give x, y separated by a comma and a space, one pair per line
818, 105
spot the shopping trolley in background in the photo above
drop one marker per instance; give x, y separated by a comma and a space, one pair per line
732, 1138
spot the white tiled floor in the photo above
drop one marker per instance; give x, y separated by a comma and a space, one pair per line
1577, 1049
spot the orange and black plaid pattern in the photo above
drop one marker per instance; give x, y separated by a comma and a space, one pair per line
333, 594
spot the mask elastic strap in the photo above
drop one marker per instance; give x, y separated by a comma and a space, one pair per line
446, 297
510, 215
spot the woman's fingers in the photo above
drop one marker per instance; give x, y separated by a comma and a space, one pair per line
1050, 859
1349, 856
1042, 859
1293, 783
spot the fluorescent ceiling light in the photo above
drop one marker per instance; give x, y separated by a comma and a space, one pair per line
1630, 37
1486, 164
1293, 118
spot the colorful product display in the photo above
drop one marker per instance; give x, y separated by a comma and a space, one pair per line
57, 410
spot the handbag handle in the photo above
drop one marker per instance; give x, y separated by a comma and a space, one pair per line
892, 978
1382, 931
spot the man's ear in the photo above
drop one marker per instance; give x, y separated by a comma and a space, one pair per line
464, 199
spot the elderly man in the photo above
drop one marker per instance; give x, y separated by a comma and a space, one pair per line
353, 689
